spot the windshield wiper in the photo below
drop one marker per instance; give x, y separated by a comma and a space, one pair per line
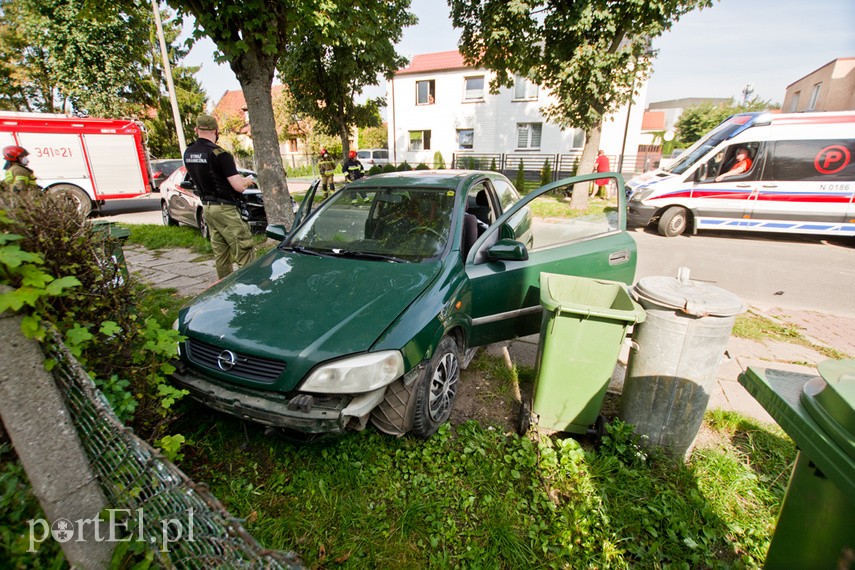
367, 255
307, 251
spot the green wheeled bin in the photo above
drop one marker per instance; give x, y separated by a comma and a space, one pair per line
816, 525
584, 325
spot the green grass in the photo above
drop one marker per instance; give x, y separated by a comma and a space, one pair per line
755, 327
556, 206
154, 237
474, 497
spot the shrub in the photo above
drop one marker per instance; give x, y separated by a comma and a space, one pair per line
546, 173
404, 166
376, 169
422, 166
493, 165
520, 181
438, 161
99, 320
389, 168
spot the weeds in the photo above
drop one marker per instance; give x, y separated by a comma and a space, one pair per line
755, 327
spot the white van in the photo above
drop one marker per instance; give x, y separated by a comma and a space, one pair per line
801, 178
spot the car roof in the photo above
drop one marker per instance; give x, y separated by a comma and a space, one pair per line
424, 178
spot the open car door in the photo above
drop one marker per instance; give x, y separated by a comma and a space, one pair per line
541, 233
278, 232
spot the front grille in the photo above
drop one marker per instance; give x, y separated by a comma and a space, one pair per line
246, 366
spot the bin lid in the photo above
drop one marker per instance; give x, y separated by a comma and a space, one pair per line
830, 400
691, 297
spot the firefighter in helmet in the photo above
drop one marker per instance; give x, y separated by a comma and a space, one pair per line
18, 176
326, 166
353, 169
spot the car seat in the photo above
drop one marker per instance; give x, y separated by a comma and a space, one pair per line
470, 233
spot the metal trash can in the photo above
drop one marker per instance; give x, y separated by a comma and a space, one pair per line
114, 238
584, 325
816, 525
674, 358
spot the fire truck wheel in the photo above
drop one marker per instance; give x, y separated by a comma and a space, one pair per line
77, 196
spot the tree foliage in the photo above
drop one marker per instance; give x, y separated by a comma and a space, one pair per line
587, 53
63, 55
374, 137
331, 60
696, 121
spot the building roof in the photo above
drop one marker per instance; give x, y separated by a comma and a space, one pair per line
441, 61
832, 62
234, 103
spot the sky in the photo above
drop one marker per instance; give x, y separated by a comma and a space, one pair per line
715, 52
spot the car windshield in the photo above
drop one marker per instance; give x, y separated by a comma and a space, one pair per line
706, 143
391, 224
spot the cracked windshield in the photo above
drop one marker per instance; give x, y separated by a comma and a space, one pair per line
392, 224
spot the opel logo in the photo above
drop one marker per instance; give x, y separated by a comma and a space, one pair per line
226, 360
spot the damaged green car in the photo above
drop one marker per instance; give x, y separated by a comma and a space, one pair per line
370, 305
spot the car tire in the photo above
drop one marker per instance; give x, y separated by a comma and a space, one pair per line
673, 222
168, 220
203, 224
437, 389
77, 196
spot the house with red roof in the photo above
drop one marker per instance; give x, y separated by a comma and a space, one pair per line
439, 103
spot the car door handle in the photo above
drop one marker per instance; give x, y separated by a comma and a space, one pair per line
743, 185
618, 257
770, 186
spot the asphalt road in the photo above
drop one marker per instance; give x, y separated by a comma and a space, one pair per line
765, 270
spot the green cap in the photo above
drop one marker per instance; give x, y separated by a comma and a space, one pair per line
206, 123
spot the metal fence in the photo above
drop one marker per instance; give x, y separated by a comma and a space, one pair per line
182, 522
563, 165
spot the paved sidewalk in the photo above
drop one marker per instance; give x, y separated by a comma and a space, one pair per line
190, 275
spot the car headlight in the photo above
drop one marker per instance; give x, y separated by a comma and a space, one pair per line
361, 373
640, 195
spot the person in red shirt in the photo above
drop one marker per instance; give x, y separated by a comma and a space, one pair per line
743, 164
601, 164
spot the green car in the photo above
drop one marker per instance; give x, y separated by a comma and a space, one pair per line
369, 307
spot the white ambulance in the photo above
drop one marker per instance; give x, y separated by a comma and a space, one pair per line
800, 178
88, 160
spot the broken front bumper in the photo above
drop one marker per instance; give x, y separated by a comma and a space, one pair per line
307, 413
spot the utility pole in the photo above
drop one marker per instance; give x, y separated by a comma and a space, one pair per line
167, 70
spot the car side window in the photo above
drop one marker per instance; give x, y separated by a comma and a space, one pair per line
548, 221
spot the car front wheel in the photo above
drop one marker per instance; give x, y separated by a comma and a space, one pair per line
437, 389
168, 220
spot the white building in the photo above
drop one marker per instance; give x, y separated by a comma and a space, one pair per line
440, 104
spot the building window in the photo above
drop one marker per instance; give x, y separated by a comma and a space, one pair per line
528, 135
419, 140
578, 138
794, 104
524, 89
474, 88
465, 139
425, 92
814, 95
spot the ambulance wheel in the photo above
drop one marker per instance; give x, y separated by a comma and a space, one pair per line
77, 197
203, 224
168, 220
673, 222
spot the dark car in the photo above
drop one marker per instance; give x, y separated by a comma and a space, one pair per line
179, 204
369, 307
162, 168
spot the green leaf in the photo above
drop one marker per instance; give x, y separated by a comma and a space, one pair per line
110, 328
57, 286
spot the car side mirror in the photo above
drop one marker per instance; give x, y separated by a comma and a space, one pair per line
187, 184
276, 231
507, 250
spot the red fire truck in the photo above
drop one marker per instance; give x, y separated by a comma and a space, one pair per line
88, 160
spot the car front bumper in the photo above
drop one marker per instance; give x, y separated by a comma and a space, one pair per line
638, 214
306, 413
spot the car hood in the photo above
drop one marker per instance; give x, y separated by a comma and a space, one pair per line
305, 309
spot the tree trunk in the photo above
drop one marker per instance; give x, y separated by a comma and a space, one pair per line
254, 71
344, 133
579, 199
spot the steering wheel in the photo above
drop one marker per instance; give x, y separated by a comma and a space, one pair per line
424, 230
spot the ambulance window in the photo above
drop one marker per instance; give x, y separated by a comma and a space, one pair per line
827, 160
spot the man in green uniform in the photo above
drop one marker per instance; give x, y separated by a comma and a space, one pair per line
218, 184
18, 176
326, 166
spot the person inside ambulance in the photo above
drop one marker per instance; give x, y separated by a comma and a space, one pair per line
741, 166
19, 176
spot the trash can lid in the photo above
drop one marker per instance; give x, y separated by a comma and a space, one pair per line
691, 297
830, 401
